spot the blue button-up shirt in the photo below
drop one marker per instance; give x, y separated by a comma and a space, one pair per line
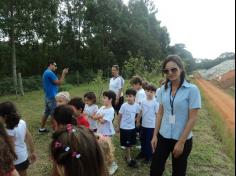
187, 97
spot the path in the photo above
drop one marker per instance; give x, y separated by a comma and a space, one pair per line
223, 103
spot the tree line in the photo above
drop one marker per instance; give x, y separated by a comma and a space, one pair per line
84, 35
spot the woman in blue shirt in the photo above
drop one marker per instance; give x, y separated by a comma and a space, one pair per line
179, 104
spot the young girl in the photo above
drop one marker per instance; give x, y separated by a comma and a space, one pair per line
78, 107
75, 151
91, 109
7, 154
62, 117
19, 133
108, 150
62, 98
105, 114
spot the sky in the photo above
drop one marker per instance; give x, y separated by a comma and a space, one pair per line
206, 27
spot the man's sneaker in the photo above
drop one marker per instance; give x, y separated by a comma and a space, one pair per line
113, 168
140, 156
42, 131
133, 163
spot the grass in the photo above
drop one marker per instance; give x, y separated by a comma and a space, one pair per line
209, 156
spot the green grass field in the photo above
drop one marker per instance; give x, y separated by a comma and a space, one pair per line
208, 157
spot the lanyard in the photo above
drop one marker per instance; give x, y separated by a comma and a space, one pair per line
172, 101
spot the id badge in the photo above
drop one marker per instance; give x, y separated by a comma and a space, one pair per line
172, 119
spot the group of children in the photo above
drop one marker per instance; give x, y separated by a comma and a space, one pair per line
82, 137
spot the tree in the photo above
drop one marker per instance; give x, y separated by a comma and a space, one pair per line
18, 22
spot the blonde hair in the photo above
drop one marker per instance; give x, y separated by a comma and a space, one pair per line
107, 148
64, 94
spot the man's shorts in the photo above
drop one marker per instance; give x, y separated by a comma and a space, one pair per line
50, 105
127, 137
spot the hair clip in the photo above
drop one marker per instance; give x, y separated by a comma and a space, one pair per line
76, 155
67, 149
69, 128
57, 144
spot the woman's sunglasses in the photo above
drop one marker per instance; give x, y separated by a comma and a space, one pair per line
172, 70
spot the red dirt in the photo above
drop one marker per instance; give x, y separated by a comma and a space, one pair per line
226, 80
222, 102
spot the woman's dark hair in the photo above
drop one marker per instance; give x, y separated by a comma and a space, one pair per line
176, 59
130, 92
91, 96
111, 95
7, 152
64, 114
78, 152
78, 103
9, 113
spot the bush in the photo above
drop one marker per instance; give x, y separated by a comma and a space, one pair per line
76, 78
29, 83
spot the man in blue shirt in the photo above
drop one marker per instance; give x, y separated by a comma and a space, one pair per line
50, 87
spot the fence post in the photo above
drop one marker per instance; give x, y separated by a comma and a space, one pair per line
21, 84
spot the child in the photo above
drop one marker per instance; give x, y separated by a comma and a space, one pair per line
136, 82
62, 98
75, 151
17, 130
108, 150
126, 121
161, 82
7, 154
149, 109
105, 114
91, 109
78, 106
62, 117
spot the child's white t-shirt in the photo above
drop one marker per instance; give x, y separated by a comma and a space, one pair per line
108, 115
149, 110
140, 96
89, 111
128, 113
19, 133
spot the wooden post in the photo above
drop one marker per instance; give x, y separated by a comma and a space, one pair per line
21, 84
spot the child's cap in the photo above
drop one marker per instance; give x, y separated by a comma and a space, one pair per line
64, 94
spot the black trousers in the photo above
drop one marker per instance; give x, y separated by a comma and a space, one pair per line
164, 148
117, 107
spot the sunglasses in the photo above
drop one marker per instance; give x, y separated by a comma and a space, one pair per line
172, 70
55, 65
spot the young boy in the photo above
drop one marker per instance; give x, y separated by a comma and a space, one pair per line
137, 84
78, 107
149, 109
126, 121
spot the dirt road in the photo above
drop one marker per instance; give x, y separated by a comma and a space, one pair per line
223, 103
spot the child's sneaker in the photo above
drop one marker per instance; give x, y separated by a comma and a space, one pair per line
113, 168
44, 130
